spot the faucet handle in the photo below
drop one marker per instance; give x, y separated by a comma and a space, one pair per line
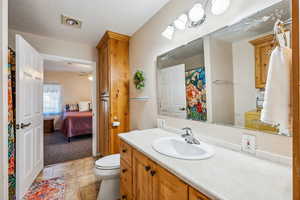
188, 131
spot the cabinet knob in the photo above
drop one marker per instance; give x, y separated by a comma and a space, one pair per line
124, 170
124, 197
152, 172
147, 168
124, 150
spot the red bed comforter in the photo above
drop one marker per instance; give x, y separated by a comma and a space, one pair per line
77, 123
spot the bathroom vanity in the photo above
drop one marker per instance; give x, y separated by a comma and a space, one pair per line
229, 175
142, 178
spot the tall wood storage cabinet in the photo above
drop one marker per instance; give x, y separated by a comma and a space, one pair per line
113, 70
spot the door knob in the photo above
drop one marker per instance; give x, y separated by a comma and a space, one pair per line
25, 125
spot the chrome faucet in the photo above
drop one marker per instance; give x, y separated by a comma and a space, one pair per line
189, 136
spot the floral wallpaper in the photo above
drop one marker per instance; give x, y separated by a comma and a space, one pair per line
196, 94
11, 125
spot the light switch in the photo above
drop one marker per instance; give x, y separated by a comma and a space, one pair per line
249, 143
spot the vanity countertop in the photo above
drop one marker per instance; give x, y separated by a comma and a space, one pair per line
228, 175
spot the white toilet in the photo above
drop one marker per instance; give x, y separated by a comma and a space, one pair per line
108, 171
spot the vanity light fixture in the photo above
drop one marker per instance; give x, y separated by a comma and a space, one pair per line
219, 6
169, 32
181, 21
196, 16
197, 13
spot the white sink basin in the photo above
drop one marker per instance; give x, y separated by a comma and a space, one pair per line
177, 147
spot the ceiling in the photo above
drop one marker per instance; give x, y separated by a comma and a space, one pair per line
50, 65
259, 23
42, 17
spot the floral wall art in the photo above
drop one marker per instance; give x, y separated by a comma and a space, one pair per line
196, 94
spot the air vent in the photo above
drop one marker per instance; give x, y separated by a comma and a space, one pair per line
70, 21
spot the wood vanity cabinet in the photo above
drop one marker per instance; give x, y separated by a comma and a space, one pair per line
113, 70
263, 49
150, 181
195, 195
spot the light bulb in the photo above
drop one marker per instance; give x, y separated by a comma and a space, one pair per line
196, 13
169, 32
180, 22
90, 78
219, 6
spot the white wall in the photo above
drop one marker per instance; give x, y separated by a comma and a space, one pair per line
3, 100
244, 79
147, 43
56, 47
75, 88
218, 62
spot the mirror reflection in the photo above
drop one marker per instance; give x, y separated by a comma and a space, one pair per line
221, 77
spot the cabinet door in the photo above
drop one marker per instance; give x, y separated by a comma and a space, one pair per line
263, 49
104, 101
126, 181
104, 69
166, 186
142, 181
263, 54
195, 195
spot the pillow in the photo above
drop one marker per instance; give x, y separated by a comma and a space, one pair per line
84, 106
71, 108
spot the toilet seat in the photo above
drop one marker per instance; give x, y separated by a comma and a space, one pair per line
108, 162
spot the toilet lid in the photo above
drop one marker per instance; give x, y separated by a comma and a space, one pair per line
109, 162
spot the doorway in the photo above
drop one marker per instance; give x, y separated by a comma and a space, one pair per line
30, 110
69, 107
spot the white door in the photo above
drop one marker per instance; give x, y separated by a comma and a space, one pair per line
172, 91
29, 115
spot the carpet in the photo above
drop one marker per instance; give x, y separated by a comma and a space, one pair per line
57, 149
51, 189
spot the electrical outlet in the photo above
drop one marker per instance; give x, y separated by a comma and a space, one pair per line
161, 123
249, 144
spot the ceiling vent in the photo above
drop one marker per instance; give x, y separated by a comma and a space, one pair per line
70, 21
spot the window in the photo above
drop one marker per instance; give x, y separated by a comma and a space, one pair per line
52, 99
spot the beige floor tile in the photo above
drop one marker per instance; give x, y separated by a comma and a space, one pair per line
81, 182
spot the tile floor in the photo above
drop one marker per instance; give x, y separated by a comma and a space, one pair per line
81, 183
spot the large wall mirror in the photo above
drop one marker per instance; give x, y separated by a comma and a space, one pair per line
221, 77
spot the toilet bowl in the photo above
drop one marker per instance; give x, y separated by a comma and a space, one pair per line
107, 169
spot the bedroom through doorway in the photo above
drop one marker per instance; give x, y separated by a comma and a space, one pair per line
68, 109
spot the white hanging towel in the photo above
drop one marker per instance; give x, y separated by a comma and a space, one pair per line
277, 105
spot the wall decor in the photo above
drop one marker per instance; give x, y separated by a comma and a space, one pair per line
139, 79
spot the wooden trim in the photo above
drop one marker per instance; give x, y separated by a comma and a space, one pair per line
112, 35
295, 100
263, 39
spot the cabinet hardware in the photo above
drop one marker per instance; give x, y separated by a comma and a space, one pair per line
147, 168
124, 170
124, 197
152, 172
124, 150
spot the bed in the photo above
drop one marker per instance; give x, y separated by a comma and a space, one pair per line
77, 123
